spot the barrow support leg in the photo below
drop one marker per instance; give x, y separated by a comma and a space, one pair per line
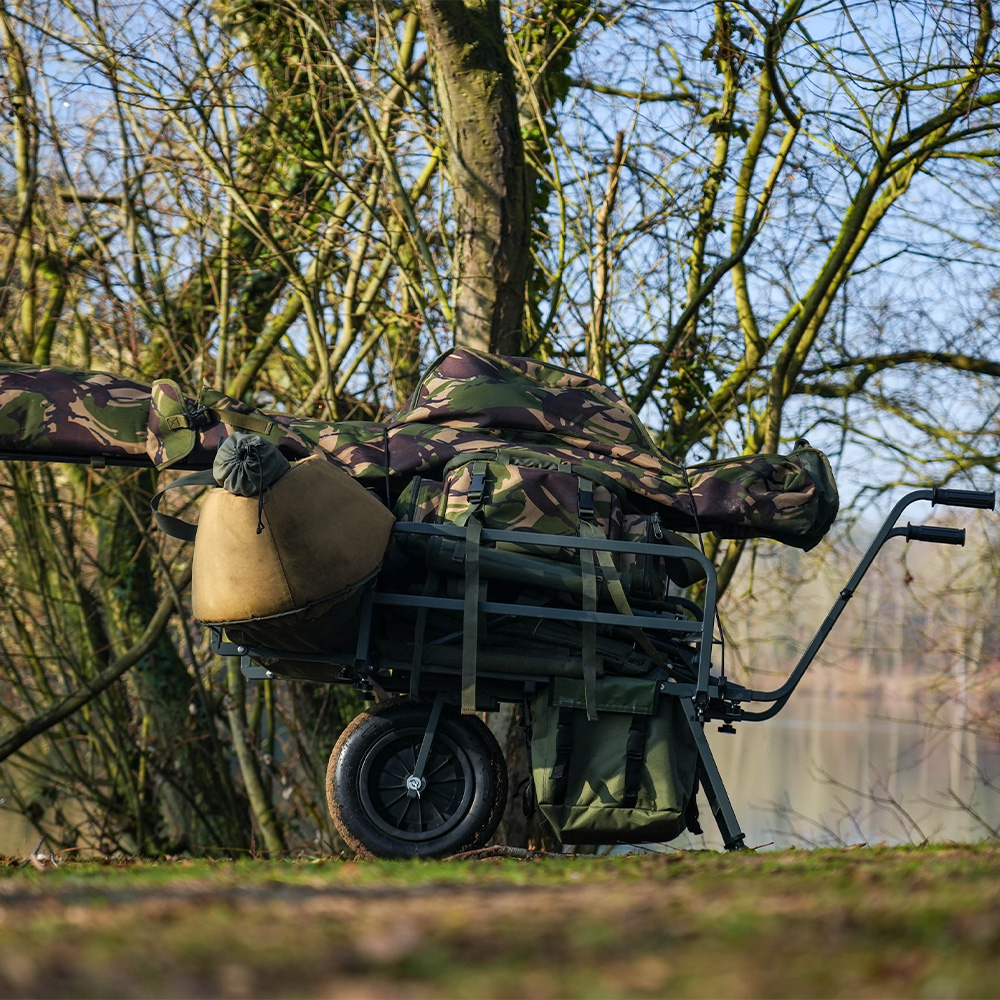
415, 781
711, 780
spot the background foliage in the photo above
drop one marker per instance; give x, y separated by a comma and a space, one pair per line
756, 221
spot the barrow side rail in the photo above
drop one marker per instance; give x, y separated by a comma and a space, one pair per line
696, 632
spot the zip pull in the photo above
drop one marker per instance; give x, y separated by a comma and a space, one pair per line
657, 531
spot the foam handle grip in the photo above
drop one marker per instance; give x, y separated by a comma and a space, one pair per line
965, 498
930, 533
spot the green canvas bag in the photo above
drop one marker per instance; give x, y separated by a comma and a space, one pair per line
628, 777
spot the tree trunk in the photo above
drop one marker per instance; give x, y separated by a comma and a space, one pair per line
474, 84
516, 828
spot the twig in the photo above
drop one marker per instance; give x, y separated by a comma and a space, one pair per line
501, 851
95, 685
40, 861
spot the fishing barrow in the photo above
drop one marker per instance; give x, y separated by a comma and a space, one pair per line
616, 690
508, 537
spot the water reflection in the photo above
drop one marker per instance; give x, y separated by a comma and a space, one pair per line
834, 767
838, 768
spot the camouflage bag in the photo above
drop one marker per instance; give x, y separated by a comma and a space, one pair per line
628, 777
791, 498
646, 578
516, 489
467, 401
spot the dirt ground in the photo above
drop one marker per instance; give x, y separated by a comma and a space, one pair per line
922, 922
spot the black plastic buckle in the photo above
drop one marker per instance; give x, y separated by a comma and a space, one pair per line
635, 744
477, 487
199, 417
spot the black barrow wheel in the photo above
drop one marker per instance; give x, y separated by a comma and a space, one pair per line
459, 806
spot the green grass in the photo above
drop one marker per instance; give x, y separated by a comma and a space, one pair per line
922, 922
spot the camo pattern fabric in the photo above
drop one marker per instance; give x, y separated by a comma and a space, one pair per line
540, 497
467, 402
791, 499
54, 411
521, 491
514, 492
523, 400
421, 449
359, 447
420, 500
171, 435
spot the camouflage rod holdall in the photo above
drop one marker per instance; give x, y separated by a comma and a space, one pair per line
629, 776
467, 402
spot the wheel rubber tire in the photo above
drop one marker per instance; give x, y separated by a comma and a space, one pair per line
458, 809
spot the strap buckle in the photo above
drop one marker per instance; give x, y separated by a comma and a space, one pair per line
477, 486
635, 744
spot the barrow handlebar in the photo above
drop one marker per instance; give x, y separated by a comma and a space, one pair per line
933, 533
980, 499
922, 533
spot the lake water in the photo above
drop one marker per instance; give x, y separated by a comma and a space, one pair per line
835, 768
832, 768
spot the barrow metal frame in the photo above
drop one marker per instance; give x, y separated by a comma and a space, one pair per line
708, 697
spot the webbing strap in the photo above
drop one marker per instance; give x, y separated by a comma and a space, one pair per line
614, 584
586, 500
252, 422
564, 747
470, 615
635, 747
589, 633
255, 423
419, 630
174, 526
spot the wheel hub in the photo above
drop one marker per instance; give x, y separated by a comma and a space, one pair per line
405, 804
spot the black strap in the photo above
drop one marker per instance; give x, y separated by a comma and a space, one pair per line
564, 747
635, 751
470, 614
174, 526
419, 631
691, 812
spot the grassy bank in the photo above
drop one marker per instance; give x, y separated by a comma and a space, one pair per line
867, 922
